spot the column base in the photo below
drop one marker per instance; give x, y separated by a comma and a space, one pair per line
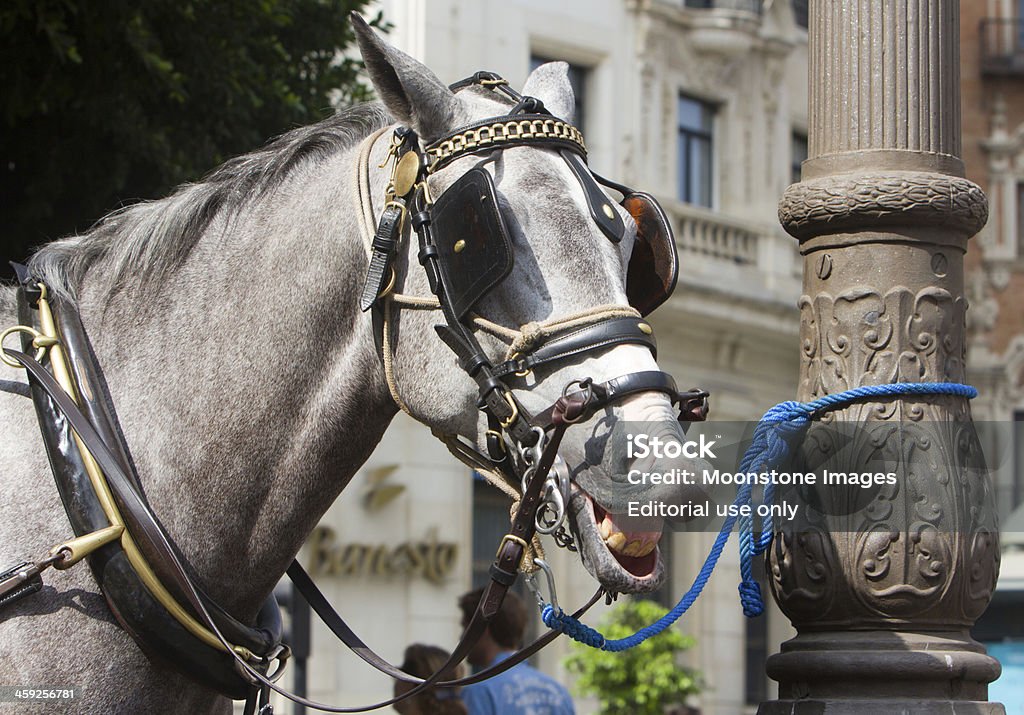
878, 707
882, 672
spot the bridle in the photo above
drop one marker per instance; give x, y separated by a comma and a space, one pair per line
521, 448
465, 251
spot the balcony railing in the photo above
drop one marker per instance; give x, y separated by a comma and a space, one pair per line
751, 6
713, 235
733, 255
1002, 46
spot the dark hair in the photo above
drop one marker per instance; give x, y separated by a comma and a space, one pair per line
422, 660
509, 623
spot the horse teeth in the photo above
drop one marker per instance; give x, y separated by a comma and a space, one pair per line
616, 541
646, 547
606, 528
633, 548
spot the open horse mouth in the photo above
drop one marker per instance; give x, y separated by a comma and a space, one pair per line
622, 560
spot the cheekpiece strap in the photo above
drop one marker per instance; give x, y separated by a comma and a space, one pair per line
406, 170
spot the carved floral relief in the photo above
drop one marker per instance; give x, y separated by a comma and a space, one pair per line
924, 549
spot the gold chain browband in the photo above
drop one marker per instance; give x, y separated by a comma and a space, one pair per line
532, 129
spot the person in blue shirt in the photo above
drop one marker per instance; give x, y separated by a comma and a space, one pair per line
520, 690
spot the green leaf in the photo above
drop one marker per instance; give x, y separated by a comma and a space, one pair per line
642, 680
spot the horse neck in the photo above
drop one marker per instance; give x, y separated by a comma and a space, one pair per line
247, 382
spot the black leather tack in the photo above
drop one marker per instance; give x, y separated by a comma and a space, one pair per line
505, 578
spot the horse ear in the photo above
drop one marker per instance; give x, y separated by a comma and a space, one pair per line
550, 84
411, 92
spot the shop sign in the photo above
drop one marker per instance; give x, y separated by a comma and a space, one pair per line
428, 558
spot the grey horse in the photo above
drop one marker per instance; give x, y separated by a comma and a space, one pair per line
246, 378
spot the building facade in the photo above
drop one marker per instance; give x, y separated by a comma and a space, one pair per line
992, 81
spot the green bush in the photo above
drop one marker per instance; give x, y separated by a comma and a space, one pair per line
643, 680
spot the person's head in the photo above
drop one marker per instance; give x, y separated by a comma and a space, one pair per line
505, 631
424, 660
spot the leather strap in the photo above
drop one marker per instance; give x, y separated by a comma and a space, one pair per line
96, 404
518, 132
155, 630
602, 211
385, 244
597, 336
146, 529
495, 398
333, 620
613, 390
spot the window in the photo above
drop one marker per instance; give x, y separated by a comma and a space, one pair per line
800, 13
578, 80
696, 126
798, 154
1020, 25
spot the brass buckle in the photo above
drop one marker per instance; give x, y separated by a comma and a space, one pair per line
513, 539
515, 411
517, 357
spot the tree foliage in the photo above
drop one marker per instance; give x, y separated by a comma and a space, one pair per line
639, 681
105, 103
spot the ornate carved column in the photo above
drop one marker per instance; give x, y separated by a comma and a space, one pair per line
883, 584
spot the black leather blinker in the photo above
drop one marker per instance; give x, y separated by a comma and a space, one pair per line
474, 248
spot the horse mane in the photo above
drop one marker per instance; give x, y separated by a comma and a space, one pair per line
151, 238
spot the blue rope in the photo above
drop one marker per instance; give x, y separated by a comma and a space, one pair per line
781, 427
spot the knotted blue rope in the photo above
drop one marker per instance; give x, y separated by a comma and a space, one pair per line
778, 431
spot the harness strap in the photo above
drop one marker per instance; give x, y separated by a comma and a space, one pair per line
385, 244
596, 336
15, 388
502, 132
503, 571
601, 210
334, 621
95, 403
147, 527
602, 394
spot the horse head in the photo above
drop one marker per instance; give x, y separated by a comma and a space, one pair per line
545, 277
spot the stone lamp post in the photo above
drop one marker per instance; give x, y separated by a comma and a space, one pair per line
883, 584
